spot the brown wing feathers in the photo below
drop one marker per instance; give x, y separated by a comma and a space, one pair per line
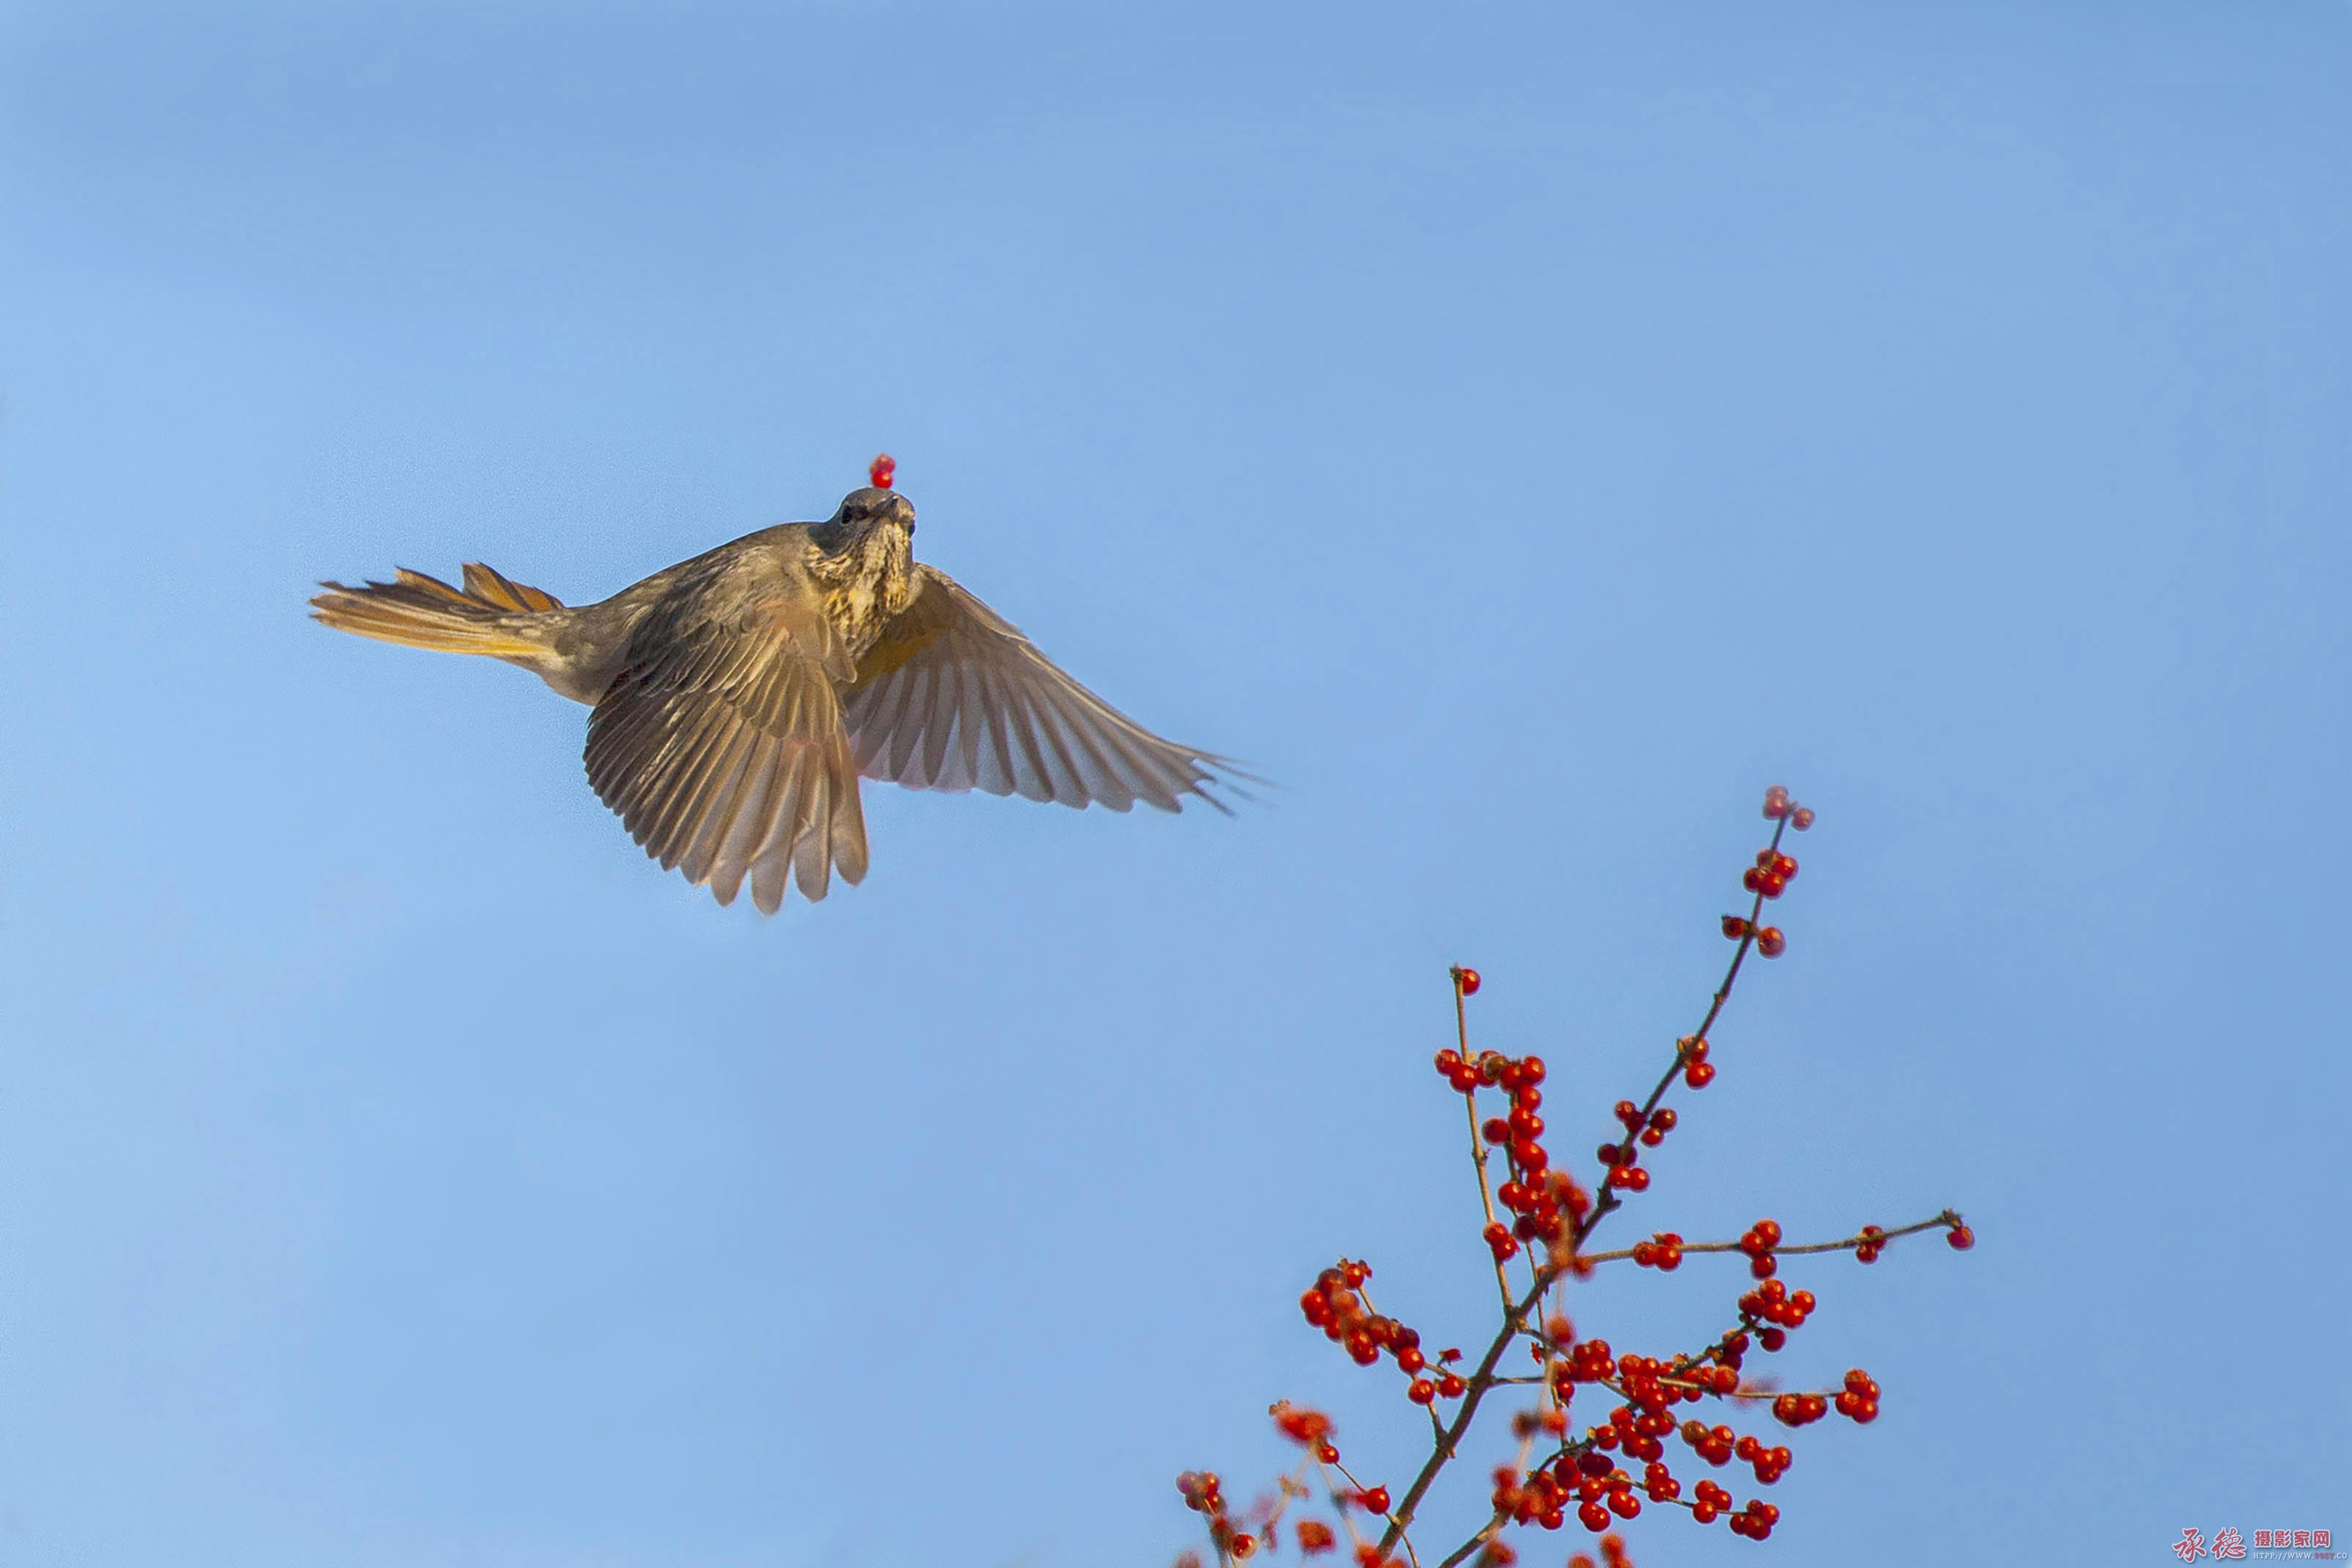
954, 697
720, 745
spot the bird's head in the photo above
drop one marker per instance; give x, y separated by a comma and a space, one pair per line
866, 514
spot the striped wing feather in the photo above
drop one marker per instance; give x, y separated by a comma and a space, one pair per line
953, 697
721, 746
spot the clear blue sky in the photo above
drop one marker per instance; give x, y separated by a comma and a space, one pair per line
1524, 432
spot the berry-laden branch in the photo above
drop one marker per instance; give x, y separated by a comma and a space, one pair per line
1553, 1217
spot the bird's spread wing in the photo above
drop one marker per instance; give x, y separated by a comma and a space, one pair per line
953, 697
721, 745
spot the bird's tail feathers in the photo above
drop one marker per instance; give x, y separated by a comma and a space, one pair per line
486, 616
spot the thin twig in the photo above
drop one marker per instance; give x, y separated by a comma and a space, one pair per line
1477, 1143
1945, 1221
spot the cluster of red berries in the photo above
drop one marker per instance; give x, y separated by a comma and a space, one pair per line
1334, 1304
1589, 1361
1601, 1492
1545, 1202
1202, 1495
1769, 1464
1622, 1159
1697, 1071
1537, 1500
1768, 877
1707, 1501
1716, 1444
1710, 1502
1858, 1400
1776, 1306
1777, 805
1638, 1434
1662, 1251
1758, 1242
1769, 941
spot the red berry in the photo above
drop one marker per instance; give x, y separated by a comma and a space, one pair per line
1466, 981
1594, 1516
1960, 1237
882, 470
1373, 1499
1735, 927
1776, 801
1801, 818
1698, 1075
1770, 942
1422, 1392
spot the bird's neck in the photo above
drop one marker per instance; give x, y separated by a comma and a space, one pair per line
865, 583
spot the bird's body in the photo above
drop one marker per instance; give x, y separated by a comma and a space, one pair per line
740, 695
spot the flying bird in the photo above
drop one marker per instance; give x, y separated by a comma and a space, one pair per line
738, 696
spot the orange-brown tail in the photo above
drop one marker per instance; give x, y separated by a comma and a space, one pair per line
487, 616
